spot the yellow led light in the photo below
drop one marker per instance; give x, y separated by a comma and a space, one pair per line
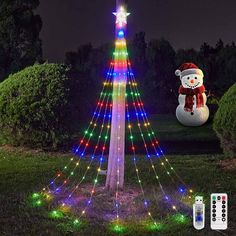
190, 190
174, 207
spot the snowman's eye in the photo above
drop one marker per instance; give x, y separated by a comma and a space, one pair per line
188, 78
195, 77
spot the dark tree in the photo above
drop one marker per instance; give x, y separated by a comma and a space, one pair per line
160, 78
20, 45
138, 48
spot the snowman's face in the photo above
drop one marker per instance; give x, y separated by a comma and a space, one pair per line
192, 81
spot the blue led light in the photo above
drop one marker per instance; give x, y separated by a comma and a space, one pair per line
121, 33
181, 190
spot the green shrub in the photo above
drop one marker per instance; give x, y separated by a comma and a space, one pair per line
36, 107
225, 122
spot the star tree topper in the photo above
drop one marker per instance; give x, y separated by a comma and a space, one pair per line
121, 16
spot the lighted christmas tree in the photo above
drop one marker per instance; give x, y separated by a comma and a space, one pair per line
118, 110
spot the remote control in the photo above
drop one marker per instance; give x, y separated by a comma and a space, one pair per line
219, 211
199, 213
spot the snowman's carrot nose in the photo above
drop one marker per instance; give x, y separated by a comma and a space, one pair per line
192, 81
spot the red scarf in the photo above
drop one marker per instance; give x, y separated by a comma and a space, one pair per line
190, 97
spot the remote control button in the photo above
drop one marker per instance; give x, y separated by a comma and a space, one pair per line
214, 210
214, 202
223, 202
214, 206
214, 219
223, 215
223, 219
214, 215
223, 198
218, 198
223, 206
223, 211
214, 198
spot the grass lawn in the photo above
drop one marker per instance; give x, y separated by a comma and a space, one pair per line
23, 172
169, 129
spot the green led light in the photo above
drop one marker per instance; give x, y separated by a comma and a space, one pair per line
56, 214
35, 195
72, 173
38, 203
91, 134
154, 226
77, 223
118, 228
180, 219
86, 131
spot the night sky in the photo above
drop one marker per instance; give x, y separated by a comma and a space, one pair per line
185, 23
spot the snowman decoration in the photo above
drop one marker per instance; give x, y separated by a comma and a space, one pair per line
192, 109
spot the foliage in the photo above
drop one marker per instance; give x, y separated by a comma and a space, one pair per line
37, 106
225, 122
20, 45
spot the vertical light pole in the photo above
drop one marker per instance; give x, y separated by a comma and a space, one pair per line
115, 172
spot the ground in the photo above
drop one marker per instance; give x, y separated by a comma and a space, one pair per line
23, 172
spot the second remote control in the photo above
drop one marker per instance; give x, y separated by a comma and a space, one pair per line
219, 211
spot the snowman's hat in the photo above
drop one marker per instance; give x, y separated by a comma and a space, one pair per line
188, 69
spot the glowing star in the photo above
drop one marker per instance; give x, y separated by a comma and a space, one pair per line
121, 16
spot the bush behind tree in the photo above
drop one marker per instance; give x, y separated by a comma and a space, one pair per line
37, 108
225, 122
